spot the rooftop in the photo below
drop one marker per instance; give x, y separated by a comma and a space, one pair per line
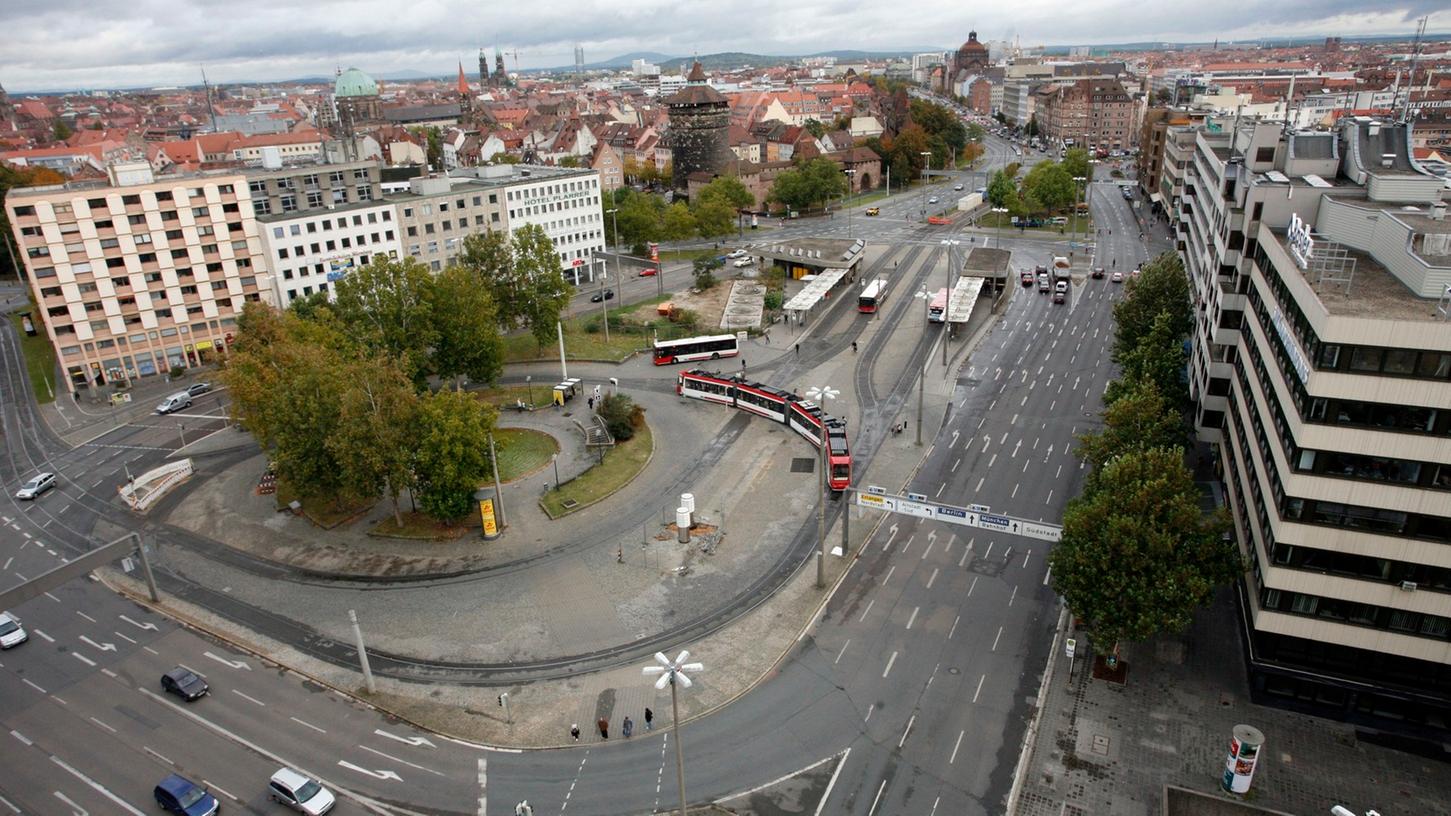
1373, 293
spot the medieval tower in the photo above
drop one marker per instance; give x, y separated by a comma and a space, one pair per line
700, 119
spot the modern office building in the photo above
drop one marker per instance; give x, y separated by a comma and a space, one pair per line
1321, 365
140, 274
310, 251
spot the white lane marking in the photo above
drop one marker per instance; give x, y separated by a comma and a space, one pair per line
48, 638
24, 739
906, 731
97, 786
953, 630
83, 659
12, 558
958, 462
148, 625
932, 578
842, 652
158, 756
104, 647
249, 697
972, 586
396, 759
103, 725
870, 709
979, 687
829, 785
123, 637
307, 725
414, 741
87, 617
235, 664
76, 810
52, 597
955, 746
383, 774
913, 618
876, 800
1014, 596
996, 639
940, 488
1025, 558
908, 545
889, 574
890, 661
27, 681
1047, 575
483, 786
151, 650
865, 611
214, 786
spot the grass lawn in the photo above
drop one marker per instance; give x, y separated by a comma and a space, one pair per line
419, 527
1085, 227
39, 361
522, 451
325, 512
581, 344
504, 397
621, 464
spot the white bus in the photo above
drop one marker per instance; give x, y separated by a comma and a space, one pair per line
872, 296
689, 349
937, 310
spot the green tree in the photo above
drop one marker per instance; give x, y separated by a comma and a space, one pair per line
678, 222
704, 268
730, 190
451, 455
504, 158
1138, 555
1161, 287
621, 415
1031, 129
60, 130
466, 328
1001, 190
1050, 184
1159, 358
376, 430
715, 218
640, 218
907, 149
814, 127
571, 161
1138, 420
1075, 161
12, 177
388, 306
811, 183
538, 270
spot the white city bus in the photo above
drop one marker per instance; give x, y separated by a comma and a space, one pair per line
689, 349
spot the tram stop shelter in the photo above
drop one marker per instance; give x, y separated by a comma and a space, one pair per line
827, 266
993, 265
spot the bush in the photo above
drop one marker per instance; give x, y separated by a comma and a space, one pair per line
593, 326
621, 415
686, 318
774, 300
177, 372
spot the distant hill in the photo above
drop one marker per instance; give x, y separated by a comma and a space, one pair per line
624, 60
725, 61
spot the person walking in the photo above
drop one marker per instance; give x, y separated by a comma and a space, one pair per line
604, 725
798, 349
853, 347
574, 731
649, 719
628, 728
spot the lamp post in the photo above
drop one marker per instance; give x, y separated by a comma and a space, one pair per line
529, 381
615, 231
819, 395
926, 166
673, 674
1000, 212
947, 307
850, 177
604, 302
1077, 180
926, 299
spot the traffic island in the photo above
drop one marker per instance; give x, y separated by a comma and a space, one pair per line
618, 467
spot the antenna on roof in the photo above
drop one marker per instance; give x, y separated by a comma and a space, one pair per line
1411, 79
207, 89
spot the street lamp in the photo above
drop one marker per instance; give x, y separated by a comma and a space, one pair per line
529, 381
926, 299
1077, 180
615, 229
674, 674
850, 177
947, 307
819, 395
926, 166
1000, 212
604, 302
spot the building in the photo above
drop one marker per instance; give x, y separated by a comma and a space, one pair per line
1153, 140
1179, 146
700, 119
140, 274
287, 190
1320, 363
1094, 113
307, 252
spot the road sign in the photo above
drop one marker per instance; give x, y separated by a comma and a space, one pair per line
913, 508
1068, 647
975, 515
1045, 532
917, 497
992, 522
879, 491
979, 508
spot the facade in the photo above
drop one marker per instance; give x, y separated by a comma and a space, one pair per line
308, 252
289, 190
700, 119
142, 274
1093, 113
1179, 144
1153, 141
566, 204
439, 211
1321, 367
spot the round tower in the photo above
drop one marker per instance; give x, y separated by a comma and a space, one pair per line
700, 119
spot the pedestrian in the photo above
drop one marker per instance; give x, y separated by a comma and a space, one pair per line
574, 731
743, 364
649, 719
628, 728
591, 401
798, 349
604, 725
853, 347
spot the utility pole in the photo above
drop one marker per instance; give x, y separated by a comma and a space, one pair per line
362, 652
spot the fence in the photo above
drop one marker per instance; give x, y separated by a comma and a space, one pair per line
143, 491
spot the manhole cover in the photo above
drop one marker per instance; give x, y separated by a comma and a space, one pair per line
569, 504
803, 464
954, 671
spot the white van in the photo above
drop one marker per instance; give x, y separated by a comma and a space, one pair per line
175, 402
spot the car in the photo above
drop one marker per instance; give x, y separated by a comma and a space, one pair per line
197, 389
1027, 278
874, 210
1117, 276
184, 683
1060, 297
742, 263
174, 403
300, 793
1043, 284
12, 634
739, 253
1138, 270
601, 297
649, 271
932, 200
40, 483
1098, 272
957, 187
177, 794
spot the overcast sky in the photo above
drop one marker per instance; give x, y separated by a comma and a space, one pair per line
65, 44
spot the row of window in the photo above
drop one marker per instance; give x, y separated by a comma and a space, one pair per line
553, 206
1340, 610
327, 223
332, 245
140, 339
130, 200
309, 181
102, 327
287, 202
458, 204
1362, 567
447, 224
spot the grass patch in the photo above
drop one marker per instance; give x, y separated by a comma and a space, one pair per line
418, 527
504, 397
622, 463
522, 451
326, 512
992, 221
39, 360
627, 336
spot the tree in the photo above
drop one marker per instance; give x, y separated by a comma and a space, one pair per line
523, 273
1138, 555
1031, 129
1158, 358
60, 130
504, 158
678, 222
730, 190
813, 182
451, 456
1160, 287
10, 178
704, 267
640, 218
1139, 419
571, 161
466, 328
814, 127
1075, 161
435, 148
376, 429
907, 149
621, 415
388, 306
1001, 190
1050, 184
972, 153
715, 218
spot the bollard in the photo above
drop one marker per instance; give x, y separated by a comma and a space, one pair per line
682, 524
687, 501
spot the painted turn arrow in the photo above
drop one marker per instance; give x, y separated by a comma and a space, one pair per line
415, 741
148, 626
105, 647
375, 774
236, 664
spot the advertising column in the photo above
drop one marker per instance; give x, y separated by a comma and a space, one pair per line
1244, 750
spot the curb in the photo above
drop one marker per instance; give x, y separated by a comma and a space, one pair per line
1030, 738
626, 484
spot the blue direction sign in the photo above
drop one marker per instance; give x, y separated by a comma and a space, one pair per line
992, 522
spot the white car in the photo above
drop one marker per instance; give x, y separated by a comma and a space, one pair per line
300, 793
1117, 276
932, 200
175, 402
739, 253
36, 486
742, 263
12, 634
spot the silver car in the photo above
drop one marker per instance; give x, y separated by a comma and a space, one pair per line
175, 402
36, 486
11, 632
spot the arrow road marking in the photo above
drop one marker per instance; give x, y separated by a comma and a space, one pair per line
375, 774
415, 741
149, 626
105, 647
235, 664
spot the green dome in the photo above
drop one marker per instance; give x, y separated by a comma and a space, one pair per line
353, 82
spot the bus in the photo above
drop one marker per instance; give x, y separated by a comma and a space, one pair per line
872, 296
937, 310
689, 349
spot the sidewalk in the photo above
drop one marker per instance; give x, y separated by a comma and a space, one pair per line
78, 421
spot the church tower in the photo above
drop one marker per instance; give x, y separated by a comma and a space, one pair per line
501, 77
483, 70
465, 94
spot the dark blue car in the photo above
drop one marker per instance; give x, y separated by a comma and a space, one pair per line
177, 794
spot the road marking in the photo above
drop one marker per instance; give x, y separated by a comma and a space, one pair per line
991, 461
105, 647
123, 637
979, 687
148, 625
76, 810
109, 673
910, 539
21, 737
158, 756
28, 682
483, 786
1014, 595
48, 638
958, 462
1025, 558
383, 774
249, 697
50, 596
890, 661
913, 617
988, 553
940, 488
1047, 575
906, 731
1016, 484
235, 664
955, 746
12, 558
996, 639
829, 785
953, 630
87, 617
888, 542
396, 759
842, 652
96, 786
307, 724
220, 789
151, 650
881, 788
865, 611
932, 578
889, 574
414, 741
972, 586
870, 709
83, 659
980, 481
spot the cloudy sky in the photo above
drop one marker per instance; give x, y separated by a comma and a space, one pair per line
64, 44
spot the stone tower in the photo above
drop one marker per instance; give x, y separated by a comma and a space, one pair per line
501, 77
700, 119
483, 70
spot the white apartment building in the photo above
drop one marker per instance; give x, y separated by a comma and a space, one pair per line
1320, 264
311, 251
566, 203
141, 274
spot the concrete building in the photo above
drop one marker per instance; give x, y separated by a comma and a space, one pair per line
139, 274
1179, 146
1154, 128
1320, 363
281, 190
309, 252
1097, 114
1020, 80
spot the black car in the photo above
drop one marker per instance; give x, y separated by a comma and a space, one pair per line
1098, 272
600, 297
184, 683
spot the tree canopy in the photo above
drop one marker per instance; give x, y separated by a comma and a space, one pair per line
1161, 287
387, 306
523, 272
809, 184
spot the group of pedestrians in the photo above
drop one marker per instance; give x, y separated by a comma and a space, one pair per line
627, 728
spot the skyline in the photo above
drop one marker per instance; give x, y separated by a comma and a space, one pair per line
148, 44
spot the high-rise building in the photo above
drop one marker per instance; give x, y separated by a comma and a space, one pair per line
1320, 265
578, 59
